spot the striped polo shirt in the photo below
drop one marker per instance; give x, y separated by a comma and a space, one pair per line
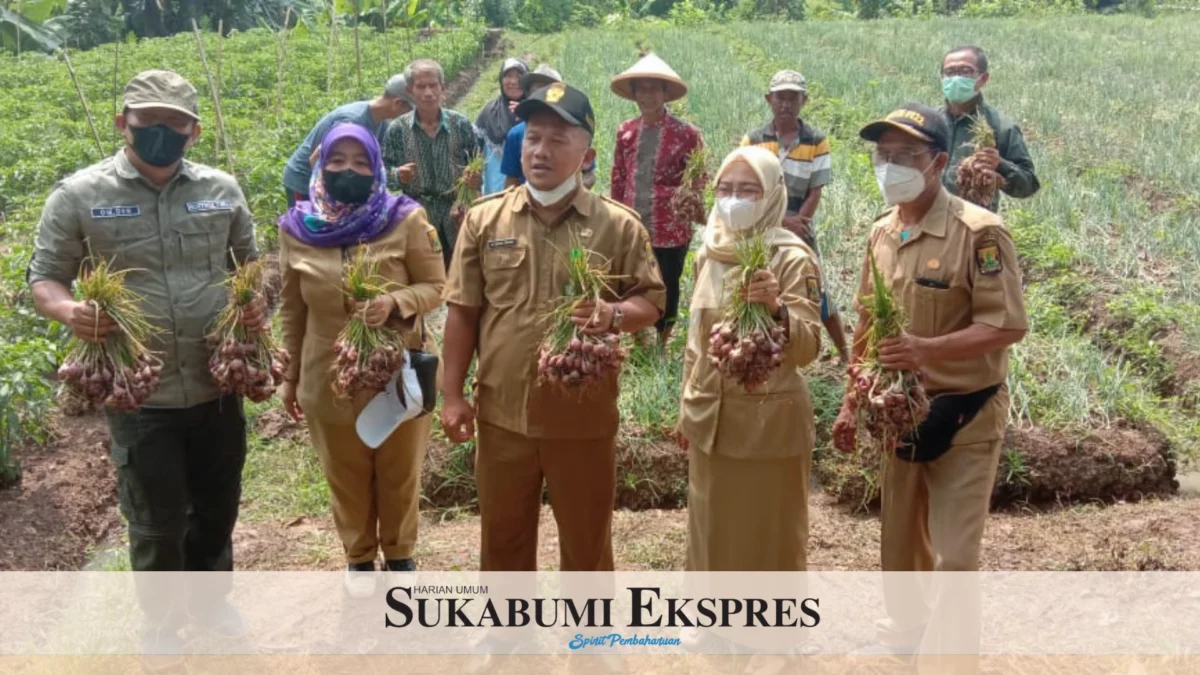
805, 162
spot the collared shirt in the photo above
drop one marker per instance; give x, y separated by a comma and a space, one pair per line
176, 243
647, 171
957, 267
805, 160
509, 263
298, 171
440, 161
1015, 164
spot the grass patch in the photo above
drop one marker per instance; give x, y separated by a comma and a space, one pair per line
282, 478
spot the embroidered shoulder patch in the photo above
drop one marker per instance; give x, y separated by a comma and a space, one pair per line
812, 288
650, 257
987, 256
434, 241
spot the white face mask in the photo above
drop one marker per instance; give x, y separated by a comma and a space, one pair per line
551, 197
739, 214
899, 184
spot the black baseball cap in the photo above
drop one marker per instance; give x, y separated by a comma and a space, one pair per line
568, 102
920, 121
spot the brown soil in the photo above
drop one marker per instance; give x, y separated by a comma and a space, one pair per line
1114, 464
1184, 381
1149, 535
465, 79
1180, 355
1158, 201
1039, 467
272, 279
66, 500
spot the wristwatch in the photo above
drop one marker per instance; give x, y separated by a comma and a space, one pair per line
618, 318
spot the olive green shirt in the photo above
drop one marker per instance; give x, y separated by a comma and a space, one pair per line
1016, 166
176, 241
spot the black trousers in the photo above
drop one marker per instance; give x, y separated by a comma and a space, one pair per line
670, 265
179, 479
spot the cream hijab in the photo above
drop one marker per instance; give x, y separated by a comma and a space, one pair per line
720, 239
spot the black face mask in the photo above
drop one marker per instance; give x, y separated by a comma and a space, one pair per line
158, 145
348, 186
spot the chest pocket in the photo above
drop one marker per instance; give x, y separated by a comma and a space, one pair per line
131, 242
200, 247
506, 275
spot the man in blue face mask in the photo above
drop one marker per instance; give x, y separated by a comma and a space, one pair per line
964, 74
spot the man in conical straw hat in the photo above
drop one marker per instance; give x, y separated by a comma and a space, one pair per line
649, 158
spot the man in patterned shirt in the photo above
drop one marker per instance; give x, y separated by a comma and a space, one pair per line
427, 151
647, 172
804, 152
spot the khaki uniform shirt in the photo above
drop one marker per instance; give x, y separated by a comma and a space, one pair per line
508, 263
314, 307
775, 421
176, 241
957, 267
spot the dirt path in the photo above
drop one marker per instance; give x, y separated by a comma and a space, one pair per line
1158, 535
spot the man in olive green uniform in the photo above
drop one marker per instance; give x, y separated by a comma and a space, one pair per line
964, 73
953, 268
506, 273
174, 224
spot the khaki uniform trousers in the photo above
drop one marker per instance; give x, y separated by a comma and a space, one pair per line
581, 476
376, 493
933, 517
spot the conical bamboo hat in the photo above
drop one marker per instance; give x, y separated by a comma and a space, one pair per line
650, 67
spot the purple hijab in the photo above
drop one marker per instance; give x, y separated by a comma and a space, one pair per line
324, 222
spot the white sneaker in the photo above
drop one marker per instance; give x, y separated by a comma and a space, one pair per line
361, 579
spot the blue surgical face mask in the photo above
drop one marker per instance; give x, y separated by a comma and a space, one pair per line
958, 89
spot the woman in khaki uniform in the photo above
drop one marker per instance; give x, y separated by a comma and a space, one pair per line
375, 492
750, 452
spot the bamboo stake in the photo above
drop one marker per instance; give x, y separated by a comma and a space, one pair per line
357, 51
83, 99
217, 91
216, 96
281, 62
387, 44
329, 54
116, 84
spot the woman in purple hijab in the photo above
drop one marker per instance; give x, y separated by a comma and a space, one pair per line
375, 492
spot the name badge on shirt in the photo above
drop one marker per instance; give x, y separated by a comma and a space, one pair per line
210, 205
501, 243
116, 211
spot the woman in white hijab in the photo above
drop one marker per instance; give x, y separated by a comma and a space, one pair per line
750, 452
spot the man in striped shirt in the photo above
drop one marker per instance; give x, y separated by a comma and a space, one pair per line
804, 152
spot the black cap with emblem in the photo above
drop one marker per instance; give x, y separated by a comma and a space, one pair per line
915, 119
568, 102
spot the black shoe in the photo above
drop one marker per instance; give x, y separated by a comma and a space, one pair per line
368, 566
402, 565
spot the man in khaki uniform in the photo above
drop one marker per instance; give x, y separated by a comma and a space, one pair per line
506, 273
953, 268
174, 224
